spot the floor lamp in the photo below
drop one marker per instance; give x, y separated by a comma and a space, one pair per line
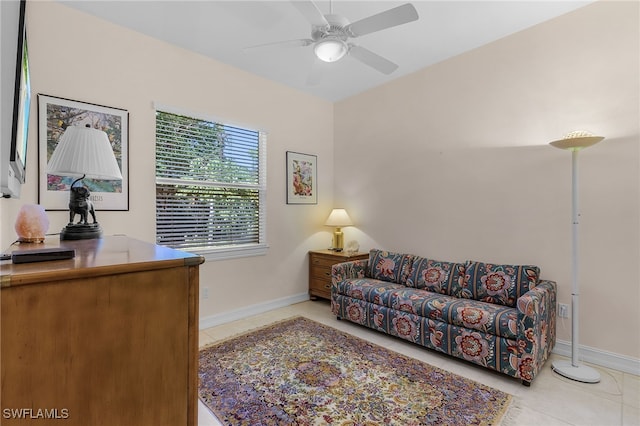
575, 142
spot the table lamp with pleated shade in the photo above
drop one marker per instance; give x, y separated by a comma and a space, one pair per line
338, 218
83, 152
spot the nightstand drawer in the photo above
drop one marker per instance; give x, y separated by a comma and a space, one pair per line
323, 262
320, 285
320, 272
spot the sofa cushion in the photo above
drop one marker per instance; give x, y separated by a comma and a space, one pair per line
499, 284
389, 266
486, 317
437, 276
367, 289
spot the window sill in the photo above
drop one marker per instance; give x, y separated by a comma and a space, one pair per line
225, 253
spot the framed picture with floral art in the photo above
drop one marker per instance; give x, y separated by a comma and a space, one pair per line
302, 178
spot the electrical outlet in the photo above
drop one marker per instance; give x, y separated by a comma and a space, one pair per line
563, 310
205, 293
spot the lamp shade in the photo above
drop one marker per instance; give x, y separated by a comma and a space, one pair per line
578, 140
339, 218
330, 49
84, 151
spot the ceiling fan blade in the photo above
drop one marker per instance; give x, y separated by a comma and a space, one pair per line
387, 19
287, 43
374, 60
310, 11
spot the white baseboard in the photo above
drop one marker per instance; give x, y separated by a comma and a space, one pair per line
247, 311
599, 357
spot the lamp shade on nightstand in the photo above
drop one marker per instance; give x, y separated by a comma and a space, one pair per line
338, 218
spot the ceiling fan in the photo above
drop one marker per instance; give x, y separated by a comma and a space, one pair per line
331, 34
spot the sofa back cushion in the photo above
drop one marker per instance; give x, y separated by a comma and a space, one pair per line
499, 284
437, 276
389, 266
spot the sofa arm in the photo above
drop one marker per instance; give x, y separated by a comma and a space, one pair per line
536, 328
346, 270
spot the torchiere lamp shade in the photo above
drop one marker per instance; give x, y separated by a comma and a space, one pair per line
576, 141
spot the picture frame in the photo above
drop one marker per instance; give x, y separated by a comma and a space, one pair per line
56, 114
302, 178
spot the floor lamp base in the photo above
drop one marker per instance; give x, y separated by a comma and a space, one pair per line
580, 373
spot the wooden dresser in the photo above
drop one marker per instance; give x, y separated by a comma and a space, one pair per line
320, 262
107, 338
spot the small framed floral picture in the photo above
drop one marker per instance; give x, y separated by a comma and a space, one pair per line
302, 178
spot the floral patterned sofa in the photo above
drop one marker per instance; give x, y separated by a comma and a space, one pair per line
501, 317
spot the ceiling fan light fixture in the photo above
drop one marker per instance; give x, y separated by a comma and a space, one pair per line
330, 49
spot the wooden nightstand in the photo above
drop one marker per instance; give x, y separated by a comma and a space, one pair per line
320, 262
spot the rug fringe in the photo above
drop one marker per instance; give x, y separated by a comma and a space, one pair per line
512, 413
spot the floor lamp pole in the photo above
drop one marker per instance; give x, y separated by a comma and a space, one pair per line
575, 291
573, 369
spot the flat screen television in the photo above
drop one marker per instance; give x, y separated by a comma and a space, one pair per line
14, 161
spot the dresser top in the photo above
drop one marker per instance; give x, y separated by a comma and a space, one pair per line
102, 256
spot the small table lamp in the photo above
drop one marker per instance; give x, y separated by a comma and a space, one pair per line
83, 152
338, 218
32, 223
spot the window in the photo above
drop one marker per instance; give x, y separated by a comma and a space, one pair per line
210, 187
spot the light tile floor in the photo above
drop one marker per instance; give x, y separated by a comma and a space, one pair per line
550, 400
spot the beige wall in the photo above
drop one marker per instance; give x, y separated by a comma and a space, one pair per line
76, 56
452, 162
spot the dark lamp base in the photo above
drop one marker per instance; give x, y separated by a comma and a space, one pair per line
80, 231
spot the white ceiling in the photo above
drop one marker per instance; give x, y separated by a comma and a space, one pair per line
221, 29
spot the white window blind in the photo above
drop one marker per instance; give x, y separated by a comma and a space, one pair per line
210, 186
